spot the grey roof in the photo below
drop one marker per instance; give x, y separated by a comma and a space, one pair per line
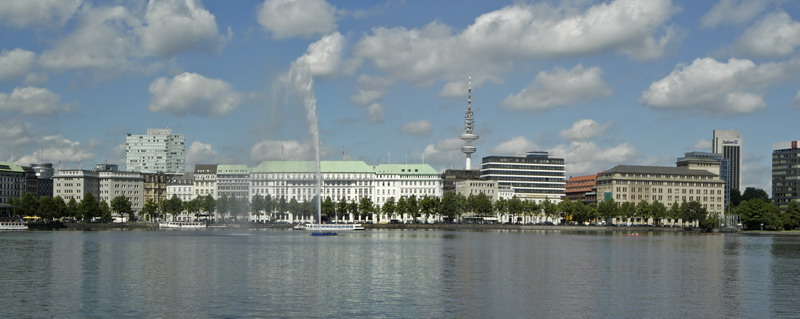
664, 170
205, 169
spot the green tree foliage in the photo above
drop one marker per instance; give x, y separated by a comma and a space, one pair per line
352, 208
791, 217
256, 205
172, 206
328, 207
208, 204
150, 209
47, 208
736, 197
72, 208
389, 207
549, 209
413, 207
428, 206
365, 206
122, 205
753, 193
757, 211
105, 211
607, 209
60, 207
341, 208
402, 207
89, 208
452, 205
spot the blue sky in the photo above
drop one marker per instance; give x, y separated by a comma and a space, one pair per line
600, 83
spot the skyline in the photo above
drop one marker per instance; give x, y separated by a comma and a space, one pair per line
598, 83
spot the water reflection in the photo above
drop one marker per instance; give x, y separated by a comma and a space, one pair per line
389, 273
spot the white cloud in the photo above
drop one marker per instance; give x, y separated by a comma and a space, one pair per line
201, 153
15, 63
46, 13
559, 87
773, 36
324, 56
734, 12
496, 39
175, 26
57, 148
375, 113
713, 87
702, 145
420, 128
371, 89
797, 100
25, 144
514, 146
192, 93
583, 158
653, 48
297, 18
585, 129
446, 151
272, 150
30, 101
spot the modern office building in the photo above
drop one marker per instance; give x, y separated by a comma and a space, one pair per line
44, 176
581, 189
157, 151
699, 160
729, 144
667, 185
452, 176
785, 173
535, 176
233, 181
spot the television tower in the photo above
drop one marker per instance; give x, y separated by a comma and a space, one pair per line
469, 123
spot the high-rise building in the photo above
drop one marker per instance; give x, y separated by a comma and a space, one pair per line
785, 173
157, 151
700, 160
729, 144
469, 124
535, 176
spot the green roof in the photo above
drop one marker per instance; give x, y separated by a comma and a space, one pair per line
310, 167
406, 169
10, 167
232, 169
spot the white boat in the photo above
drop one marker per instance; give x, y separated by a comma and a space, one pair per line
182, 225
13, 225
332, 227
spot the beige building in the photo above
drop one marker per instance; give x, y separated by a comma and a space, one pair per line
115, 183
475, 187
667, 185
74, 183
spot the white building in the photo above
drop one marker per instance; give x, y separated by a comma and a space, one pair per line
406, 180
205, 180
157, 151
181, 186
535, 176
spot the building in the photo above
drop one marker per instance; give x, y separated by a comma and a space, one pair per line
75, 183
581, 189
667, 185
12, 185
474, 187
535, 176
720, 166
406, 180
181, 186
205, 180
115, 183
452, 176
44, 175
233, 181
157, 151
155, 186
785, 173
729, 144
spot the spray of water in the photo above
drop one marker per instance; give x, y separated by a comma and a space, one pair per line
301, 80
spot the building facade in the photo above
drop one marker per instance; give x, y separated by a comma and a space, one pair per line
157, 151
115, 183
233, 181
729, 144
696, 159
155, 186
667, 185
581, 189
75, 183
405, 180
181, 186
12, 185
785, 173
535, 176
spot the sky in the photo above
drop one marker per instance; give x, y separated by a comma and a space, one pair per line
598, 83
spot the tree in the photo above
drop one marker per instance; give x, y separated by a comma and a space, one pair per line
352, 207
341, 208
194, 206
256, 205
172, 206
413, 207
480, 204
89, 208
607, 209
515, 207
402, 208
427, 206
122, 206
548, 208
60, 207
752, 193
791, 217
105, 211
658, 212
294, 207
389, 207
736, 197
72, 208
694, 211
756, 212
365, 206
223, 205
328, 207
29, 205
47, 207
208, 204
150, 209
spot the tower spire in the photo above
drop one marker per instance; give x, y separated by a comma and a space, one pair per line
469, 125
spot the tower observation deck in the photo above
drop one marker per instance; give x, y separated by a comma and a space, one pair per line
469, 124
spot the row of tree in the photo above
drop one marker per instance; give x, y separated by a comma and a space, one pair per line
89, 208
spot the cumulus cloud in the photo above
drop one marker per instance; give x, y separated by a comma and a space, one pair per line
25, 144
420, 128
713, 87
324, 56
446, 151
297, 18
200, 152
734, 12
57, 148
375, 113
192, 93
773, 36
274, 150
119, 38
514, 146
652, 47
702, 145
585, 129
559, 87
30, 101
496, 39
371, 89
175, 26
15, 63
45, 13
584, 158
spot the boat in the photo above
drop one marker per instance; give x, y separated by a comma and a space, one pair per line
182, 225
632, 235
13, 225
299, 227
332, 227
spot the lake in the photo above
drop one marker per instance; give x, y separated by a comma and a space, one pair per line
258, 273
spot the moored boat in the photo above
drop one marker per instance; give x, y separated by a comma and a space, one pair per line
332, 227
182, 225
13, 225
